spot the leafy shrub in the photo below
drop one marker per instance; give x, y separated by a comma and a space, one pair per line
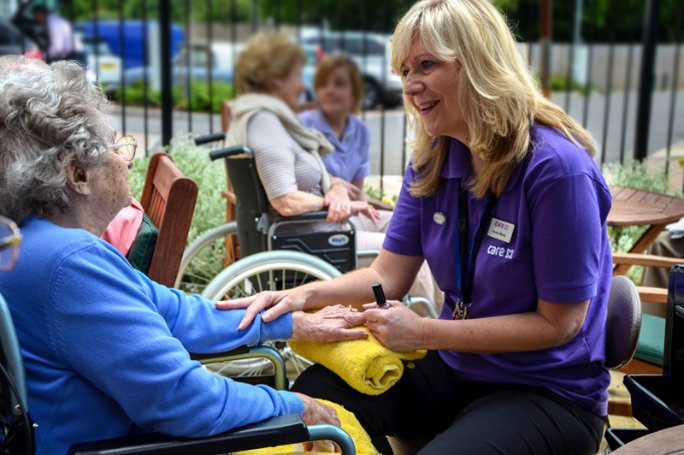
380, 195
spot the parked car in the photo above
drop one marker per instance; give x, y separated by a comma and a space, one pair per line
106, 66
12, 41
371, 51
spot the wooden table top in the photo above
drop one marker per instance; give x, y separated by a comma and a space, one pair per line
637, 207
663, 442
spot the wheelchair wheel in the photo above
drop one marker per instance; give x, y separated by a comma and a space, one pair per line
269, 270
205, 258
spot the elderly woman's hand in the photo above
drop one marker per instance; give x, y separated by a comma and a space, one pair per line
364, 208
338, 203
330, 324
316, 412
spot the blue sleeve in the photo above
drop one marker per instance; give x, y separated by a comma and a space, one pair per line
203, 329
120, 334
363, 170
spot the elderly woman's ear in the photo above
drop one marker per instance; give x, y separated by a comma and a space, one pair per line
78, 179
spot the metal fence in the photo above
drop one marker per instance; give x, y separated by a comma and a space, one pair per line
622, 85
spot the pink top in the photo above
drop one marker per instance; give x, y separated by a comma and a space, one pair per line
122, 230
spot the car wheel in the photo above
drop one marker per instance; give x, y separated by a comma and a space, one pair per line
371, 94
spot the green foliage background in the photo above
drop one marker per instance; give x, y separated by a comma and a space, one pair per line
601, 19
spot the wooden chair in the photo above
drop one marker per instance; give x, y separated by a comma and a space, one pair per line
168, 198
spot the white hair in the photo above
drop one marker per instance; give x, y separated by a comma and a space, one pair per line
50, 117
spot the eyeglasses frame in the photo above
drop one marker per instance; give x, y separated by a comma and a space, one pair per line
122, 142
13, 241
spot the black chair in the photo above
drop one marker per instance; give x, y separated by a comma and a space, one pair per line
17, 436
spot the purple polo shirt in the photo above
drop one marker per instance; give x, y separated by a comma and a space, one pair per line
551, 244
350, 160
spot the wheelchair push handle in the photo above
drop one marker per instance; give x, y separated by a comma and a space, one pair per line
229, 151
209, 138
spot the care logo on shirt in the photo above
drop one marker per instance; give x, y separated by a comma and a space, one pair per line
499, 251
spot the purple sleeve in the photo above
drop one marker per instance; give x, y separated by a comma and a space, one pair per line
404, 231
568, 218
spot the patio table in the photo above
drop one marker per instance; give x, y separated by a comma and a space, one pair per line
633, 207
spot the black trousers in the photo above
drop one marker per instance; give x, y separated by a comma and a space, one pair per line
430, 401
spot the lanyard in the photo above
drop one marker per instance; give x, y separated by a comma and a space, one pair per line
466, 257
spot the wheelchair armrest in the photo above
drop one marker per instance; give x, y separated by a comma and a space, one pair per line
271, 432
209, 138
229, 151
308, 216
247, 352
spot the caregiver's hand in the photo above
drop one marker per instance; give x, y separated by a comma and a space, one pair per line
327, 325
397, 328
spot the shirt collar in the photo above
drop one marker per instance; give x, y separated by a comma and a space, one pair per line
457, 164
325, 126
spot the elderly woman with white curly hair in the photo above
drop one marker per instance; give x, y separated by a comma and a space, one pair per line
105, 348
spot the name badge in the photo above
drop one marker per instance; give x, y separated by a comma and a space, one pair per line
501, 230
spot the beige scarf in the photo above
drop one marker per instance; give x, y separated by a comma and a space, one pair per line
313, 141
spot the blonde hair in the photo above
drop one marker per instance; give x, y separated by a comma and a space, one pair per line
330, 64
266, 57
501, 100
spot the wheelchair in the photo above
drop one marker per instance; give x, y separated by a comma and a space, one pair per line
270, 254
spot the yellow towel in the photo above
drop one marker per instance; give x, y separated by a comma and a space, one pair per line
366, 365
349, 423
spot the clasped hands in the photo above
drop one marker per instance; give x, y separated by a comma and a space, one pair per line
343, 200
397, 328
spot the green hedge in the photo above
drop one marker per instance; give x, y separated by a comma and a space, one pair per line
199, 96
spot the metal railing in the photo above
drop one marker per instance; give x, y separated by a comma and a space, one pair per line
622, 85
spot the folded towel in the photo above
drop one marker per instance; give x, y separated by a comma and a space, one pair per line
349, 423
366, 365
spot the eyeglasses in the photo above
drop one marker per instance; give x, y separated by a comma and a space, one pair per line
10, 238
125, 147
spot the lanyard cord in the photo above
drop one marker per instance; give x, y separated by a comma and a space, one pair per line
465, 260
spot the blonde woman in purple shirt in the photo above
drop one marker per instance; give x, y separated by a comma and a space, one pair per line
505, 202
